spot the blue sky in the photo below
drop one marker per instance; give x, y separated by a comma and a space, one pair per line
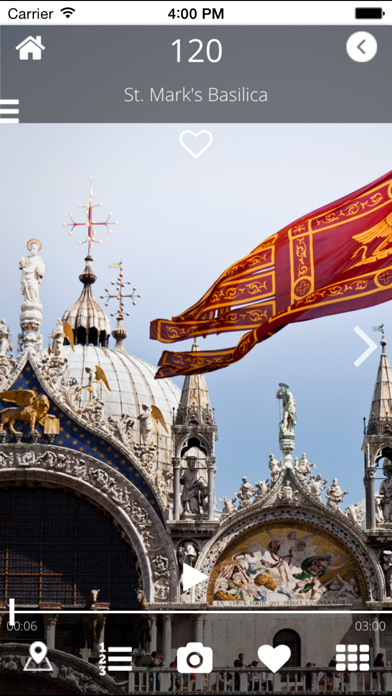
182, 221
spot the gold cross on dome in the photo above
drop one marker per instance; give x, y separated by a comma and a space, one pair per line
120, 295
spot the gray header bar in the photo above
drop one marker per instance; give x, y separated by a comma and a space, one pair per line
88, 74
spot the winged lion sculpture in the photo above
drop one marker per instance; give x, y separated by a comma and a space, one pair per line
31, 408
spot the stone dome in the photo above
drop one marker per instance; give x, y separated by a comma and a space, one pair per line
132, 384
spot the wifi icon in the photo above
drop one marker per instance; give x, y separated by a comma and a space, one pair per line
67, 11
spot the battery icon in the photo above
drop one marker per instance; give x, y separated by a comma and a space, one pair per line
369, 13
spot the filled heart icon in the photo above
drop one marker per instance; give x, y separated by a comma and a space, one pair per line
274, 658
188, 140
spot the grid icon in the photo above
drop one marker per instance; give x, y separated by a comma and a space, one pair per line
348, 658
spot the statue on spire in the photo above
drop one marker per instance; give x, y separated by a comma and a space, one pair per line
33, 269
286, 425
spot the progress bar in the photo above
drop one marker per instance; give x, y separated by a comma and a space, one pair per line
11, 620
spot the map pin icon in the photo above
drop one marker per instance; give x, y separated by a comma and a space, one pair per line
38, 651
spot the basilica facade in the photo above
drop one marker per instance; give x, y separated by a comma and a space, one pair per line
107, 483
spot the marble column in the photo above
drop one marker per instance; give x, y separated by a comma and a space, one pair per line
371, 521
167, 636
198, 628
153, 633
166, 650
176, 488
211, 486
367, 508
376, 635
50, 623
101, 638
198, 631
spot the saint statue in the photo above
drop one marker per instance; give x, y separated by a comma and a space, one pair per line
386, 564
194, 489
316, 485
58, 339
379, 510
246, 492
288, 421
335, 495
386, 495
33, 269
274, 467
302, 467
187, 554
4, 338
287, 494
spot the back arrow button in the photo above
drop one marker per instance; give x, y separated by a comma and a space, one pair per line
361, 49
355, 46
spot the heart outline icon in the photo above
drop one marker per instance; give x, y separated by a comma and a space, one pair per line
196, 135
274, 658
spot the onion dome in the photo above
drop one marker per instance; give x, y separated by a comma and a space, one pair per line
130, 380
89, 322
132, 384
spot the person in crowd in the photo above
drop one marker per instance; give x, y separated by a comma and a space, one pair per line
155, 661
346, 681
267, 681
308, 677
379, 662
333, 677
253, 677
221, 681
239, 663
175, 678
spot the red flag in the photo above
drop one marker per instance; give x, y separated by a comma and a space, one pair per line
333, 260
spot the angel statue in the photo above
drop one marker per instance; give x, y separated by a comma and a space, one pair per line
286, 426
261, 487
354, 514
228, 505
58, 339
31, 408
33, 270
148, 418
95, 378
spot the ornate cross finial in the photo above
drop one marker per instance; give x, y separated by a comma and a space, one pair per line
119, 333
90, 224
120, 295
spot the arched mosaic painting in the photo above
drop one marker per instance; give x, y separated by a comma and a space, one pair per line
279, 563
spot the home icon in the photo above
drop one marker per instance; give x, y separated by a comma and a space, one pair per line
30, 47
